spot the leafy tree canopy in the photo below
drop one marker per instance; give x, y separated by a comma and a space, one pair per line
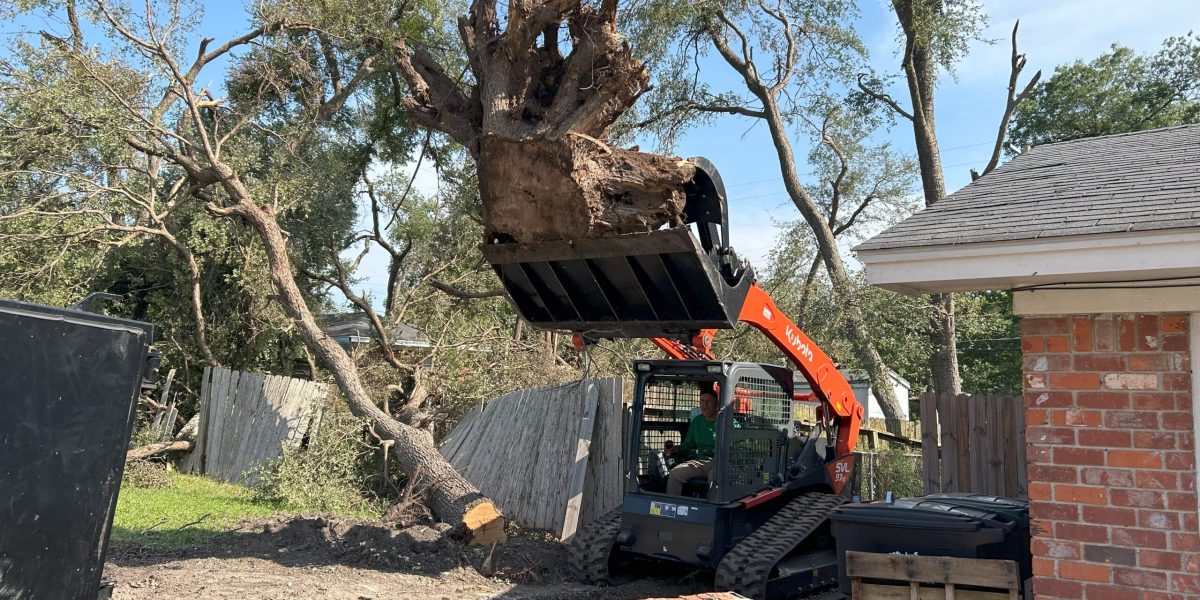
1118, 92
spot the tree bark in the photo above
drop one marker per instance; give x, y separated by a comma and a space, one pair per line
860, 336
159, 448
920, 73
536, 122
452, 498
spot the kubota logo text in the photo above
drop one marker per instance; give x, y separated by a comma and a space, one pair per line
793, 338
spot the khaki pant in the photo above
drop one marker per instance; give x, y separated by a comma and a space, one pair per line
685, 471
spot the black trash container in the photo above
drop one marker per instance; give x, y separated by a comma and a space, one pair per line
957, 525
68, 389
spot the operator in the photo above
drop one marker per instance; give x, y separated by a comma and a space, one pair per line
701, 441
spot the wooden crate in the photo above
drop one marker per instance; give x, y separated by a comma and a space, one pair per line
905, 573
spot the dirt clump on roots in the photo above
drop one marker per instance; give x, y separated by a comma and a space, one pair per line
335, 557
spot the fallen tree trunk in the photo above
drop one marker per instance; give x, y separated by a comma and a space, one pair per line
452, 498
536, 122
149, 450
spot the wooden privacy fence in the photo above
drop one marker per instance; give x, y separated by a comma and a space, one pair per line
247, 418
982, 444
550, 457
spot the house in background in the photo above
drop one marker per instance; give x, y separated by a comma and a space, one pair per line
1099, 239
354, 328
860, 383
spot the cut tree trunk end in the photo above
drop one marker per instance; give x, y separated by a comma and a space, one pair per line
485, 524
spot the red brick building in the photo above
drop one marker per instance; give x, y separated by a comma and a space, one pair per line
1099, 239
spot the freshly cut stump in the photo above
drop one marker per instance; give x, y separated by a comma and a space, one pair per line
485, 524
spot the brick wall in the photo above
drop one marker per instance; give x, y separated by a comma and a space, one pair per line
1112, 473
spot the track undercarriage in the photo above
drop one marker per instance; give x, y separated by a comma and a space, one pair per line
789, 556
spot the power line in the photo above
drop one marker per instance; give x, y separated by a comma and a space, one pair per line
941, 151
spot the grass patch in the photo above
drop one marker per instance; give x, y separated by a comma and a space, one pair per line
154, 516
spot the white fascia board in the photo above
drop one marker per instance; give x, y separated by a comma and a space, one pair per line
1010, 264
1081, 300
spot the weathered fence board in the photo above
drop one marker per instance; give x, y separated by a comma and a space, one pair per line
550, 457
247, 418
929, 439
982, 444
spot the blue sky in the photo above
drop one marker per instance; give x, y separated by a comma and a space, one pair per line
968, 107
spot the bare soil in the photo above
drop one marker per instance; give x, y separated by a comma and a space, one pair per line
337, 558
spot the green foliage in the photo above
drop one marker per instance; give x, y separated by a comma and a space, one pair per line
673, 37
194, 509
331, 474
989, 343
1119, 91
892, 469
989, 351
945, 27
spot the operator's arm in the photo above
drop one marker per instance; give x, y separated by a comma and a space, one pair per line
688, 446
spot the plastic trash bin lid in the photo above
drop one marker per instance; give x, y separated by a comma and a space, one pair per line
915, 518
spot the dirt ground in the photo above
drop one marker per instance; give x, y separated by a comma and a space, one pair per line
334, 559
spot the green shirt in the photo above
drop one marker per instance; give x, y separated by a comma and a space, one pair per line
700, 437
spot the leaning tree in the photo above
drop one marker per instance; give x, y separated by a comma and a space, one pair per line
140, 137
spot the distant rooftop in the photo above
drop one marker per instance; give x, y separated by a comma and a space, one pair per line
1143, 181
355, 328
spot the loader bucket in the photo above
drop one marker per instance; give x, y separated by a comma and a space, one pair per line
656, 284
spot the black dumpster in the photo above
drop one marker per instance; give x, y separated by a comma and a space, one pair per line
957, 525
68, 389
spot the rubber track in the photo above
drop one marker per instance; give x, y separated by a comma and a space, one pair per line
591, 548
747, 567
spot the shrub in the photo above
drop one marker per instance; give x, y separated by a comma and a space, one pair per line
147, 474
333, 473
893, 470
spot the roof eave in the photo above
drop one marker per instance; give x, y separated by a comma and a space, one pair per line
1130, 256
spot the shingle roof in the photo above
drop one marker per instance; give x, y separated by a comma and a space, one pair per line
1142, 181
357, 324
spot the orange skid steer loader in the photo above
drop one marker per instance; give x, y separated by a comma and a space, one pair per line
760, 520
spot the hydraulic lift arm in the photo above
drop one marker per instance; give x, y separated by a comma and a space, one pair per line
673, 286
831, 389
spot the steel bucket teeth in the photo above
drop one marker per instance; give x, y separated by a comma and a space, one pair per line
655, 284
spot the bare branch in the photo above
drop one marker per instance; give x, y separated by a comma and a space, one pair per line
844, 167
741, 64
76, 30
884, 98
335, 103
1014, 100
696, 106
331, 61
779, 13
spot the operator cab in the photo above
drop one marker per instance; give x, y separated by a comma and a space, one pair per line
758, 445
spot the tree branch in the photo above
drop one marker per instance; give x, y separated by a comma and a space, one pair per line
884, 98
1014, 100
696, 106
461, 293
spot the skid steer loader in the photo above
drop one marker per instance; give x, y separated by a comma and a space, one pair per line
761, 520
